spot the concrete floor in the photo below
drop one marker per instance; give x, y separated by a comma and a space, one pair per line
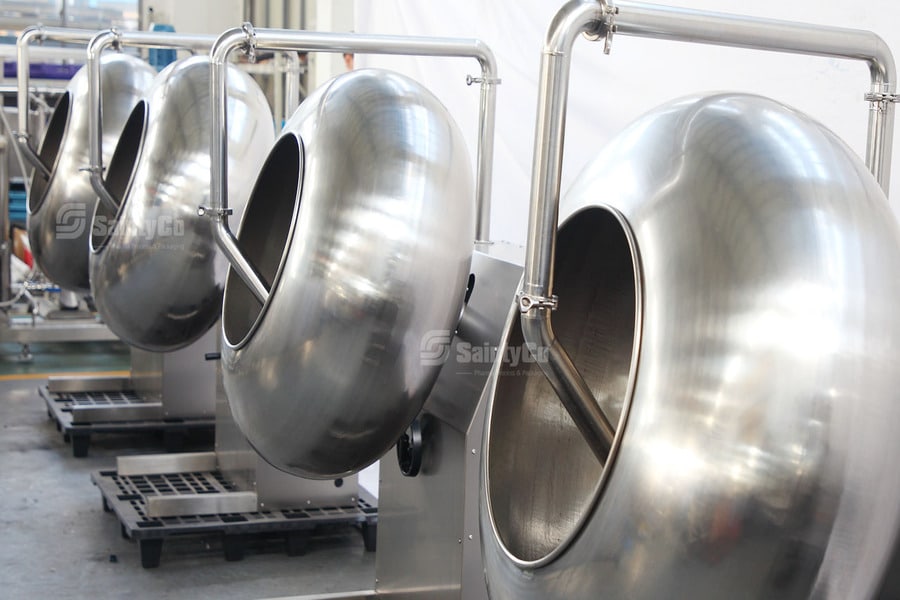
55, 539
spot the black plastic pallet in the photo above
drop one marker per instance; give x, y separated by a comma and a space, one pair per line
59, 409
126, 496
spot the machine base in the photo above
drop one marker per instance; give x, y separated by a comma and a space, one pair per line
129, 497
25, 330
79, 414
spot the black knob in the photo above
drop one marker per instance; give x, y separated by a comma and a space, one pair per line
409, 449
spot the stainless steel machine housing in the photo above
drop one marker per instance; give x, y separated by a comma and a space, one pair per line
155, 271
361, 225
725, 269
60, 207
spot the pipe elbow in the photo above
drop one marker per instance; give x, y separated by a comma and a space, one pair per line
29, 34
570, 387
100, 42
537, 331
102, 191
573, 19
486, 59
97, 183
226, 42
882, 67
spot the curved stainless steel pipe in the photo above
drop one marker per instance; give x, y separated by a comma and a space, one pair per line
251, 39
98, 43
536, 301
702, 27
29, 35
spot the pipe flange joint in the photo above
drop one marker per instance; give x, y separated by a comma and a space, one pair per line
528, 302
250, 33
116, 43
471, 80
604, 28
882, 97
214, 213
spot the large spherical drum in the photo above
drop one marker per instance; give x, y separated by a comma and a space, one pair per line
60, 208
727, 274
362, 222
156, 275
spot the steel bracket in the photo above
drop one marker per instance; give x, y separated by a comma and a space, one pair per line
214, 213
528, 302
881, 100
250, 49
605, 28
470, 80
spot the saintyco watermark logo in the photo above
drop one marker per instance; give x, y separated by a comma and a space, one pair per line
435, 349
72, 222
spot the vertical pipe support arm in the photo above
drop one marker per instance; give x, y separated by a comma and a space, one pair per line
95, 48
292, 72
249, 39
600, 20
536, 300
23, 67
114, 38
218, 195
486, 123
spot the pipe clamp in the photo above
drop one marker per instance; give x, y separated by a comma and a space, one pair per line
215, 213
527, 302
881, 100
470, 80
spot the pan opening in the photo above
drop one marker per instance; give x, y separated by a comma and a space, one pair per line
49, 150
119, 176
264, 236
542, 478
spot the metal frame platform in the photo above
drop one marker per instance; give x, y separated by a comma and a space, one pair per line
130, 498
27, 330
80, 414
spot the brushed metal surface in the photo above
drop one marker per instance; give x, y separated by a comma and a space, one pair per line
420, 519
155, 271
188, 383
60, 208
758, 456
145, 411
362, 225
474, 585
147, 371
158, 464
85, 383
275, 489
182, 380
236, 458
427, 525
25, 332
201, 504
469, 353
279, 490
